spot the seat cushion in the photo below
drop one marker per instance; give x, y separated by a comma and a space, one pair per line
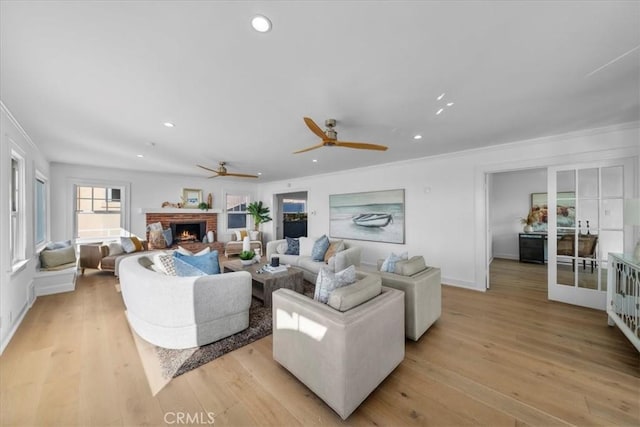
55, 257
309, 264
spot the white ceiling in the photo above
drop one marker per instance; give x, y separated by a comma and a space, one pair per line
92, 82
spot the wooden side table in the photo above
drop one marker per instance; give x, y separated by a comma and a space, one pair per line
91, 255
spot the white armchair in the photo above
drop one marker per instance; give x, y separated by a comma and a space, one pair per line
341, 356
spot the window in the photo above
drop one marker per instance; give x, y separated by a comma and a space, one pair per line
98, 211
40, 210
236, 211
18, 231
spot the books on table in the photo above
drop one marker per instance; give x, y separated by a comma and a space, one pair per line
278, 269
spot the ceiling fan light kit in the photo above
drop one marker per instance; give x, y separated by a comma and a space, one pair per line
329, 138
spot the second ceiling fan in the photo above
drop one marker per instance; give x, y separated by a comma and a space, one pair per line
330, 138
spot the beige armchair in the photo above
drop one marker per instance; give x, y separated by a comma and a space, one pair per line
423, 293
341, 356
234, 246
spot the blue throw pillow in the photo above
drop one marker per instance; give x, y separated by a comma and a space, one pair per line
293, 246
184, 269
207, 263
320, 248
168, 237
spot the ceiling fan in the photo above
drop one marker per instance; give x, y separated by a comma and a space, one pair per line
222, 171
330, 138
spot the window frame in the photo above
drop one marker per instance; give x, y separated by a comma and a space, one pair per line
125, 213
40, 178
247, 199
17, 211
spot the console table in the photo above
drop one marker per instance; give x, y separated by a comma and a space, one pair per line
532, 247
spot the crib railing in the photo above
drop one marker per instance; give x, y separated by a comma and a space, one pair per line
623, 295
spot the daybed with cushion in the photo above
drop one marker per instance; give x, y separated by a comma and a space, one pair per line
423, 293
107, 256
344, 349
338, 255
182, 312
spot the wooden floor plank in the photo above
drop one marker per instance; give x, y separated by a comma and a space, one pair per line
504, 357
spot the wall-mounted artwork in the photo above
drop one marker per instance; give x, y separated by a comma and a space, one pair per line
376, 216
566, 209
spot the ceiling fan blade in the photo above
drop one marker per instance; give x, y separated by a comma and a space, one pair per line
213, 176
315, 128
210, 170
241, 175
309, 149
361, 145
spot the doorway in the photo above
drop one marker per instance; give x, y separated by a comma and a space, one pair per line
291, 215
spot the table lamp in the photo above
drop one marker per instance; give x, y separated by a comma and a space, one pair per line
632, 217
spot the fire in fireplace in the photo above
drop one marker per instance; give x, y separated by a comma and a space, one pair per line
188, 231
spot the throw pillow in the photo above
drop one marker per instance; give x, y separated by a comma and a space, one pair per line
115, 248
184, 269
389, 264
154, 226
293, 246
157, 240
168, 237
241, 234
328, 281
137, 243
168, 264
320, 248
306, 245
282, 248
207, 263
127, 244
50, 258
58, 245
333, 249
184, 251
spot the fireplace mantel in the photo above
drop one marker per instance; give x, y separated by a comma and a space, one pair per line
179, 211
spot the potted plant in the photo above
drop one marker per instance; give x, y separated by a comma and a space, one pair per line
246, 257
259, 212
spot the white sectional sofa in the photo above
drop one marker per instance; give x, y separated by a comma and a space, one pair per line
349, 256
183, 312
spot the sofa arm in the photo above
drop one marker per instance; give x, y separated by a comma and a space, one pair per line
344, 259
272, 247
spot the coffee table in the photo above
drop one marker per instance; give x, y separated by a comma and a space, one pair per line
263, 284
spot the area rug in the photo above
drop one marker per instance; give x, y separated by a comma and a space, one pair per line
161, 364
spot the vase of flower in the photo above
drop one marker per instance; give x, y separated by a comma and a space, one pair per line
528, 228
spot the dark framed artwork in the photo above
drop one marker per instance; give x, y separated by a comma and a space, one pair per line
566, 209
376, 216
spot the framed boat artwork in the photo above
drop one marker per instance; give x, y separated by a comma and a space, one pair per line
375, 216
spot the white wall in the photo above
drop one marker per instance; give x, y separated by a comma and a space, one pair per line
148, 190
16, 286
510, 200
445, 195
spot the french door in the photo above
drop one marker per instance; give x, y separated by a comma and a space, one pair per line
585, 223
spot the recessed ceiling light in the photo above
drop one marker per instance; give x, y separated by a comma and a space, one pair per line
261, 23
315, 160
168, 124
439, 111
449, 104
417, 136
441, 96
140, 155
259, 173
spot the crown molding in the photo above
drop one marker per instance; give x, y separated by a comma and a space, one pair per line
19, 127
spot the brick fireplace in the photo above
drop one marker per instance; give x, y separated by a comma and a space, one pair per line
206, 220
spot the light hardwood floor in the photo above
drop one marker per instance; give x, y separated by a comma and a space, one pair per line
504, 357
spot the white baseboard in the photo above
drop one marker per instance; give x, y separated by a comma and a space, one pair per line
507, 256
14, 328
461, 284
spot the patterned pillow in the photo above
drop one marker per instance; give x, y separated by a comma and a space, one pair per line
184, 269
168, 264
282, 248
320, 248
293, 246
328, 281
127, 244
157, 240
389, 264
58, 245
333, 249
207, 263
